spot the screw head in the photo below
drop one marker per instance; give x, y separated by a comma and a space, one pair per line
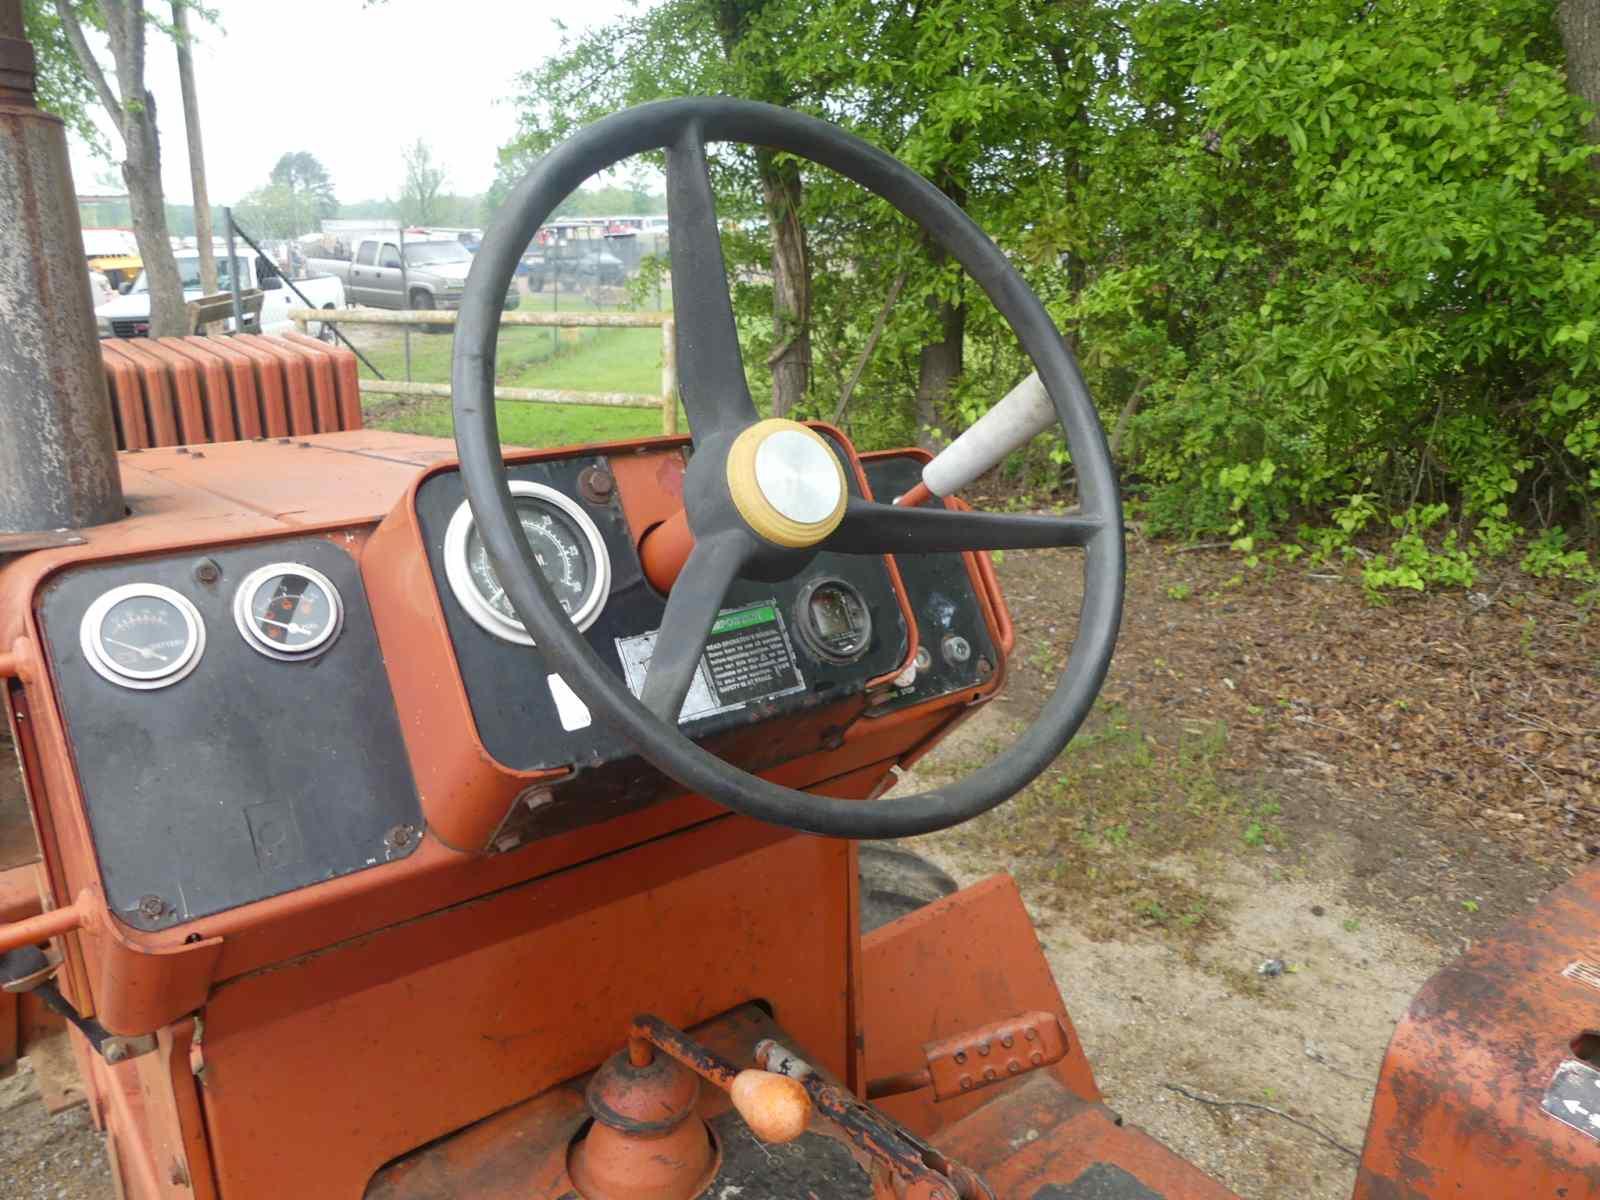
152, 908
399, 837
966, 1082
115, 1052
1008, 1041
207, 571
1036, 1058
961, 1057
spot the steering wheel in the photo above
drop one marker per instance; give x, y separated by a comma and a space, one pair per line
763, 497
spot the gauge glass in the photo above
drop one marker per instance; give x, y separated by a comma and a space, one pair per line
566, 544
835, 623
142, 636
288, 610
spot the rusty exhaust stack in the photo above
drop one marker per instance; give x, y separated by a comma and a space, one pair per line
58, 464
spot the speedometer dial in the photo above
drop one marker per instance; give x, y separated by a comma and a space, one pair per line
142, 636
566, 544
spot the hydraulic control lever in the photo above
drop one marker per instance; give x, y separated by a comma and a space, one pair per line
1021, 415
777, 1099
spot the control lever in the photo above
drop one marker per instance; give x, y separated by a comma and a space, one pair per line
1021, 415
903, 1167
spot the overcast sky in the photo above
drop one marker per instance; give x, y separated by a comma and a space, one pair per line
352, 85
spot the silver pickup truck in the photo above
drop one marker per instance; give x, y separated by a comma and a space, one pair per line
434, 276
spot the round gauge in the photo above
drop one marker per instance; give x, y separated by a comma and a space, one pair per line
142, 636
288, 611
834, 621
566, 544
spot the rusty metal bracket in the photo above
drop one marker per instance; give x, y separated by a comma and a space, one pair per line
29, 969
968, 1062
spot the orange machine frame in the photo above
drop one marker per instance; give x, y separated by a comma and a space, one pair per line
270, 1018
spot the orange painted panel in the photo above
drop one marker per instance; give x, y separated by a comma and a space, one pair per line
347, 1059
955, 965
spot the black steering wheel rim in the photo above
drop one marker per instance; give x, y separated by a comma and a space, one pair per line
664, 124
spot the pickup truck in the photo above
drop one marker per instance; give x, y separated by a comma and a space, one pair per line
128, 315
434, 276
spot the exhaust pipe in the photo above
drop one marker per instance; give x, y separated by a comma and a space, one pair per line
58, 453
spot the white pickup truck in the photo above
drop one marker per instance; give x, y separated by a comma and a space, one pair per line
128, 315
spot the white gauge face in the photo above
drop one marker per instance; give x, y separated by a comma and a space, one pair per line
142, 636
288, 611
566, 544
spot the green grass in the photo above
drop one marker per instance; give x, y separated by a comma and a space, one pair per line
586, 360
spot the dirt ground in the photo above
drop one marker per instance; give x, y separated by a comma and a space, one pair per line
1278, 772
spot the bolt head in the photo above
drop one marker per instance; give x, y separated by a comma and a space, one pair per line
152, 908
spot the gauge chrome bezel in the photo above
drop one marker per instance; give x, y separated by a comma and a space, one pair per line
459, 572
89, 634
243, 618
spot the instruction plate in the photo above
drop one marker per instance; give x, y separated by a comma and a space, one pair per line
747, 658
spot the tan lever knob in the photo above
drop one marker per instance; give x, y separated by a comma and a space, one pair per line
775, 1107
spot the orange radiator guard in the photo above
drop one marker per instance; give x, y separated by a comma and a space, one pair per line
194, 390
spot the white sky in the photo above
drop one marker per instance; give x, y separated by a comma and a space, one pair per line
355, 86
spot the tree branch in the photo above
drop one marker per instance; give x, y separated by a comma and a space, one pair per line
86, 59
871, 345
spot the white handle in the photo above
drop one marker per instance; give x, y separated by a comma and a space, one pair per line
1021, 415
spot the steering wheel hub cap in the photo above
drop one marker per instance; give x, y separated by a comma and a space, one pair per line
786, 483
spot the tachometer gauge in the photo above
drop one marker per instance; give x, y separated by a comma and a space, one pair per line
288, 611
566, 544
142, 636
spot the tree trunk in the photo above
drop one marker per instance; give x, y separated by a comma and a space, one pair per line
1580, 35
197, 157
938, 367
790, 359
135, 113
141, 171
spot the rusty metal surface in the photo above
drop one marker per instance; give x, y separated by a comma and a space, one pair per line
996, 1052
1460, 1108
1040, 1140
57, 452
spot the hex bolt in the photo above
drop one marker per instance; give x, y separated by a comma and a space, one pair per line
152, 908
114, 1051
990, 1074
1014, 1067
595, 484
985, 668
399, 837
955, 648
966, 1082
207, 571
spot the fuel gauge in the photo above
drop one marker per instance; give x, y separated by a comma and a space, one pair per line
288, 611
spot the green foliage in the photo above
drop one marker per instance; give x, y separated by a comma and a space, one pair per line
1354, 269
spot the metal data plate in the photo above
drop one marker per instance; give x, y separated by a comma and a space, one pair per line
249, 778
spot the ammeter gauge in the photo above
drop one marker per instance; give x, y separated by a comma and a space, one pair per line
288, 611
142, 636
834, 621
566, 544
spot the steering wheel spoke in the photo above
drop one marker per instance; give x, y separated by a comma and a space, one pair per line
710, 366
692, 608
872, 528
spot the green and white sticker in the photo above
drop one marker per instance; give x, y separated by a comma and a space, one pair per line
747, 659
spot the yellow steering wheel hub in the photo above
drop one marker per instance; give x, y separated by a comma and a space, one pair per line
787, 482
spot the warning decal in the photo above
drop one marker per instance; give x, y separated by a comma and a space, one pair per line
747, 658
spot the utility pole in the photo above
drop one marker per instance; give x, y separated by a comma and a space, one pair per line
197, 154
58, 451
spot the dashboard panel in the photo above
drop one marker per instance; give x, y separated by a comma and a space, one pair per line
233, 728
757, 667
